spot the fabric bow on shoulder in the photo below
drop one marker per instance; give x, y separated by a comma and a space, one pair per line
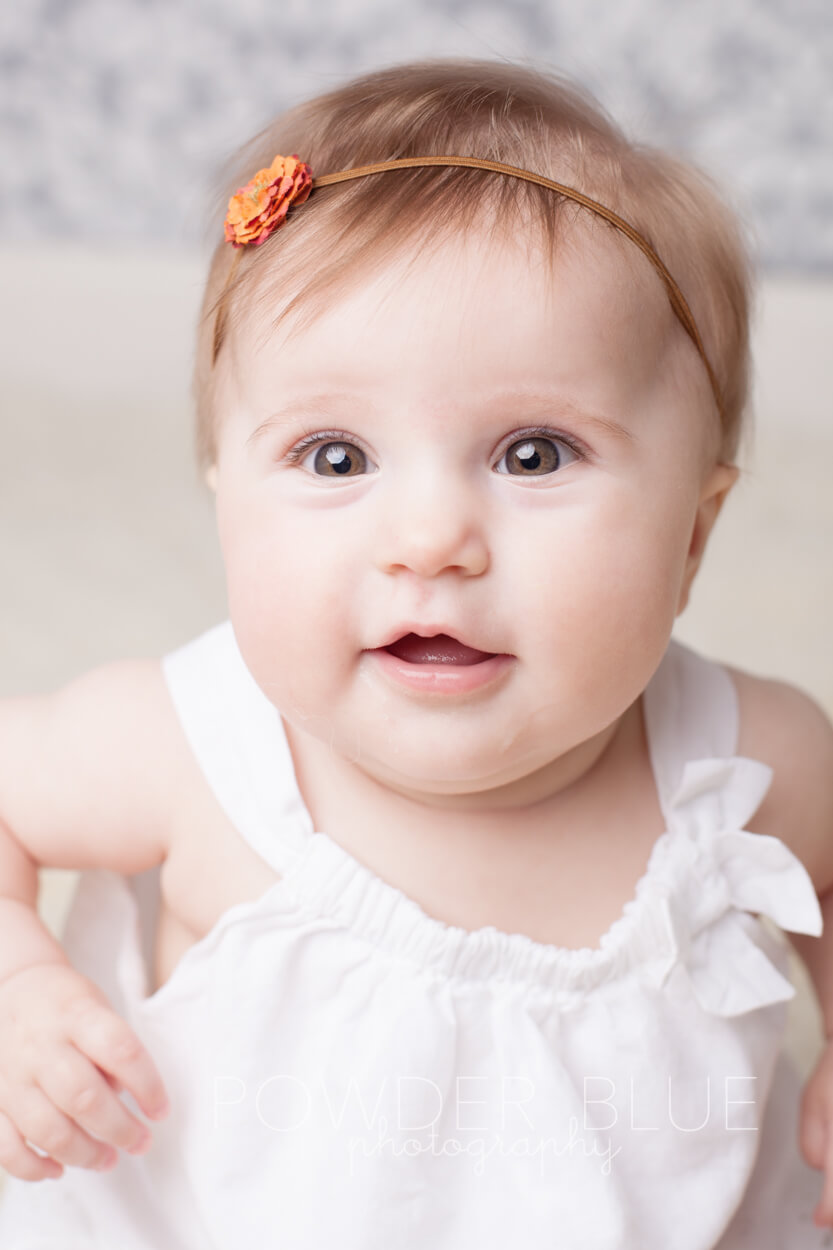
732, 874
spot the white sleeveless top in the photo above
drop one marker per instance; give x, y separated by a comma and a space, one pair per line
347, 1071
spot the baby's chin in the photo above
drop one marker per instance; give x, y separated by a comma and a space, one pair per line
481, 780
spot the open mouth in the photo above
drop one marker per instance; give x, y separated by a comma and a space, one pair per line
440, 666
441, 649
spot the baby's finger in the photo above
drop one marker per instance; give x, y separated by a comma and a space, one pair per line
823, 1214
812, 1136
21, 1160
79, 1089
110, 1043
45, 1126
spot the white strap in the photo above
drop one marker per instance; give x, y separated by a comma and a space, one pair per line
691, 712
238, 740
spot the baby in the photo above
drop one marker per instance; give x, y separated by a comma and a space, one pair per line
436, 898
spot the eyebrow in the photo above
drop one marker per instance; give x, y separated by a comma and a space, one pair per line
312, 405
309, 405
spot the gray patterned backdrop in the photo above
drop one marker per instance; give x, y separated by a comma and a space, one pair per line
115, 114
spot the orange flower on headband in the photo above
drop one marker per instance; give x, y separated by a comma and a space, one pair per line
256, 210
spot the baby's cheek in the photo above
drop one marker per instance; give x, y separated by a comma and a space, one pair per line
605, 574
611, 602
289, 630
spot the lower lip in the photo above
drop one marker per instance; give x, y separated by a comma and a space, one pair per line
447, 679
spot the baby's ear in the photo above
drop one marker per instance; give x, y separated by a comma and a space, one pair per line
211, 477
716, 486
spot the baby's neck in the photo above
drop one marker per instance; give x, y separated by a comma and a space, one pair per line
525, 868
334, 788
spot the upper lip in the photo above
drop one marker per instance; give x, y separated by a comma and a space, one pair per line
429, 631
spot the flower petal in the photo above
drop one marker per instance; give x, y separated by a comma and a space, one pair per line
258, 209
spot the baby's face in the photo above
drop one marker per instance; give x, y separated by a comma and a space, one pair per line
509, 459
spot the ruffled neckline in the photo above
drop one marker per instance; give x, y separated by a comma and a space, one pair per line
700, 875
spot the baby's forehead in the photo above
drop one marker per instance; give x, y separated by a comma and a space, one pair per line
475, 315
592, 261
589, 263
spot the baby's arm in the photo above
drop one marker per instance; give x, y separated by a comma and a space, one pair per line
87, 779
794, 735
816, 1112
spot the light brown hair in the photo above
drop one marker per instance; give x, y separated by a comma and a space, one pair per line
498, 111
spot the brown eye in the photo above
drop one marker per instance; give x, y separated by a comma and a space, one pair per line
337, 460
534, 456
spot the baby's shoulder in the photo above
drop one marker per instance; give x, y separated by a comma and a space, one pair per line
92, 773
784, 727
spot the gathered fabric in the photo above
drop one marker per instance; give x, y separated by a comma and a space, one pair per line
345, 1069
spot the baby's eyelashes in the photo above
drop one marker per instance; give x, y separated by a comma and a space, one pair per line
534, 453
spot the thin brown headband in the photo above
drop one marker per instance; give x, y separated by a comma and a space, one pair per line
675, 295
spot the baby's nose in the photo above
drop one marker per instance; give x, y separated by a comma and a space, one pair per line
431, 530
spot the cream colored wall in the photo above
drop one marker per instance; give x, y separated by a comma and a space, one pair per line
107, 545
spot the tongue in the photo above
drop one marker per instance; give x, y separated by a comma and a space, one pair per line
440, 649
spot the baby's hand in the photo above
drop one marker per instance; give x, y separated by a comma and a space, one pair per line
816, 1130
64, 1057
